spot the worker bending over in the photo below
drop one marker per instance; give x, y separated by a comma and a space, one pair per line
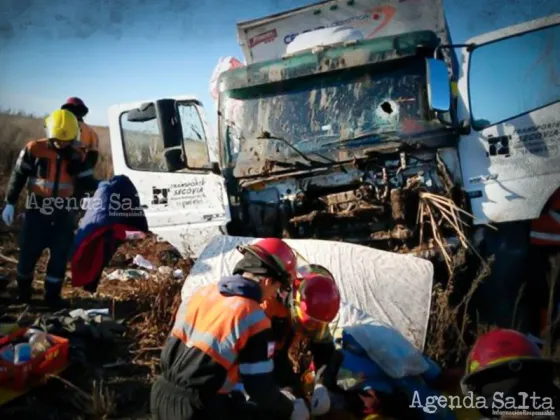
54, 169
89, 140
302, 319
222, 336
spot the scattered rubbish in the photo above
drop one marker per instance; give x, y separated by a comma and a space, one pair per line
134, 235
26, 354
140, 261
165, 270
130, 274
85, 314
178, 274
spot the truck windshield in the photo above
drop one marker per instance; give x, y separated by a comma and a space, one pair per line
314, 113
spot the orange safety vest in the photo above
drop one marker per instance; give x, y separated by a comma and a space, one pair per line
46, 179
545, 231
219, 326
88, 137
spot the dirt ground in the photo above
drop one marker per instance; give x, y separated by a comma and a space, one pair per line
115, 381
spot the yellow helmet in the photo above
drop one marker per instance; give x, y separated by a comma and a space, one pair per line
62, 125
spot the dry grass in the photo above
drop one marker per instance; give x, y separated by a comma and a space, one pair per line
16, 129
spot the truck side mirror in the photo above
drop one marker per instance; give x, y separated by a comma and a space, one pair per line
146, 112
439, 89
174, 159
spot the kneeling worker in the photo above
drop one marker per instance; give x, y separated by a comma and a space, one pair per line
221, 337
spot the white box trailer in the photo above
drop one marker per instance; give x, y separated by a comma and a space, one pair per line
267, 38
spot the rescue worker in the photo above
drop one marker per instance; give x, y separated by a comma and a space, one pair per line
54, 169
89, 139
502, 365
303, 319
222, 336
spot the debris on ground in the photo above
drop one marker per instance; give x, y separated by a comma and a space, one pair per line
115, 335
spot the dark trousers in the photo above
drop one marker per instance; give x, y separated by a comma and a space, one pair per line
41, 230
168, 402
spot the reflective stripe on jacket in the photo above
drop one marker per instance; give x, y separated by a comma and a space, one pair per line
545, 231
49, 172
220, 326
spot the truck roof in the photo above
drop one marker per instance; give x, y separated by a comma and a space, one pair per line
267, 38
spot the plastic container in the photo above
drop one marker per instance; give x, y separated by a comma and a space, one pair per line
19, 373
39, 343
22, 353
7, 353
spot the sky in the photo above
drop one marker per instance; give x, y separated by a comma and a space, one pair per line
114, 51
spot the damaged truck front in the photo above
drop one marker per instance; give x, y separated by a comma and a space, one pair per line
341, 141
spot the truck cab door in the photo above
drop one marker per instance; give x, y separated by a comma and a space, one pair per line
163, 147
509, 101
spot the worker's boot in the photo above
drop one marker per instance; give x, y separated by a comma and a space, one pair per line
24, 289
53, 296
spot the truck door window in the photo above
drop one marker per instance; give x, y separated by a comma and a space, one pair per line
514, 76
142, 144
194, 137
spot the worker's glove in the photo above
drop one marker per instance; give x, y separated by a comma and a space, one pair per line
8, 214
320, 400
300, 410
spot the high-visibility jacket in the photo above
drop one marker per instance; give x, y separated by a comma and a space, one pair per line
220, 326
50, 172
545, 231
89, 140
221, 336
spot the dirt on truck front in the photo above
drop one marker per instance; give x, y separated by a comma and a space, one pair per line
339, 144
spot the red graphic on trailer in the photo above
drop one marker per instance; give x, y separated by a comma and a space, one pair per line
383, 15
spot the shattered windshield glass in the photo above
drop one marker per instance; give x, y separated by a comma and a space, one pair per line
322, 113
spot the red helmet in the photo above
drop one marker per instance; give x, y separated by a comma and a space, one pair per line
316, 301
500, 350
76, 106
276, 255
75, 101
500, 346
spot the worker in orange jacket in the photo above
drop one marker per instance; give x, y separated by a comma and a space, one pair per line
89, 139
222, 336
55, 170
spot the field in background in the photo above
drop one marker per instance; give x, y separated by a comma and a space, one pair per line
16, 129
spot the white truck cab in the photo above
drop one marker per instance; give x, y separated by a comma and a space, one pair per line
509, 101
509, 90
179, 187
